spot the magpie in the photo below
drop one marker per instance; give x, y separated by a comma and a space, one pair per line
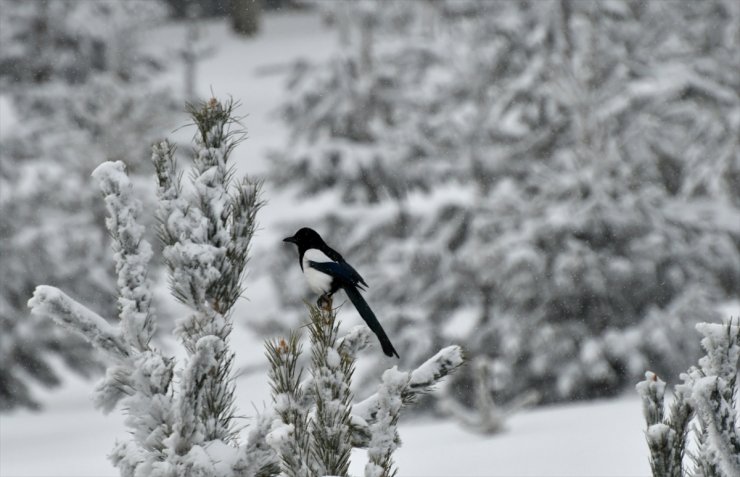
326, 272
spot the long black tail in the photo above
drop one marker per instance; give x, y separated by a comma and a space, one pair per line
367, 314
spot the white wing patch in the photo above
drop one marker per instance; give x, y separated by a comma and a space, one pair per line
319, 282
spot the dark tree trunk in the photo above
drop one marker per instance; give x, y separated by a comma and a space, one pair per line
245, 16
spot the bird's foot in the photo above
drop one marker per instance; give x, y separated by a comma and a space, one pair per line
325, 302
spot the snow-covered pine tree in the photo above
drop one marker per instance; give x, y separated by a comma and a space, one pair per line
318, 424
559, 177
708, 396
185, 426
80, 89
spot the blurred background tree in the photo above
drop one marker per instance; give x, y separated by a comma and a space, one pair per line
563, 178
82, 91
245, 16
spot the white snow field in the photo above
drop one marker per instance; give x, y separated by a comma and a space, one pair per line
70, 438
604, 438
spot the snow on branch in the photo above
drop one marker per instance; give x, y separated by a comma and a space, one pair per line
131, 252
183, 427
54, 303
666, 429
207, 233
421, 381
718, 418
713, 390
317, 426
434, 369
288, 435
330, 387
355, 341
257, 457
383, 431
191, 423
244, 205
141, 377
709, 392
172, 208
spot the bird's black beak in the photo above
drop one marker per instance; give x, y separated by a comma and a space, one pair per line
289, 239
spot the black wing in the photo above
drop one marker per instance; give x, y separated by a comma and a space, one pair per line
337, 257
342, 271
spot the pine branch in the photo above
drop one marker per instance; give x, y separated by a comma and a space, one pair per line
207, 237
421, 381
116, 385
718, 420
150, 406
336, 426
131, 251
666, 434
192, 412
140, 377
355, 341
442, 364
709, 392
169, 192
332, 375
244, 205
681, 412
712, 389
291, 438
54, 303
258, 458
383, 430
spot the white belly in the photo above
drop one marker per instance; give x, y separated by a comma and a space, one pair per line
318, 282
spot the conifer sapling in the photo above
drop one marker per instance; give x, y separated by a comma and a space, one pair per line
181, 415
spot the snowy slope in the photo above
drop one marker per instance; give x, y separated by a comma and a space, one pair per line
72, 439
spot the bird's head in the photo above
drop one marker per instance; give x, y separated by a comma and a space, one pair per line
305, 239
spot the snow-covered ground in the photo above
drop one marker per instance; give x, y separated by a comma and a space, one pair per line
70, 438
593, 439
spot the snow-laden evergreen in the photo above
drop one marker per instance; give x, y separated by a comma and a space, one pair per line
713, 389
80, 87
708, 397
554, 183
181, 414
317, 424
